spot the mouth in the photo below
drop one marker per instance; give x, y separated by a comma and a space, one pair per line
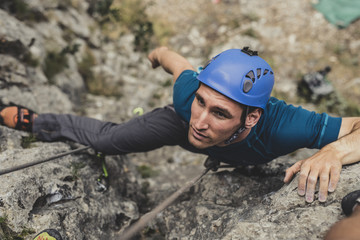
197, 135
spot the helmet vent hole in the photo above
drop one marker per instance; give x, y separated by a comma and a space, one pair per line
247, 85
271, 73
258, 72
266, 71
251, 75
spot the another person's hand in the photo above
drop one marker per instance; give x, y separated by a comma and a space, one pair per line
325, 165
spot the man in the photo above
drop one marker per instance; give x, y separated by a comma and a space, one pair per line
225, 112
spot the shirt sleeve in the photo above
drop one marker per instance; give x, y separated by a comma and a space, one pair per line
290, 128
184, 93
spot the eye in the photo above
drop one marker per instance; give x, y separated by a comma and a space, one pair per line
219, 114
200, 101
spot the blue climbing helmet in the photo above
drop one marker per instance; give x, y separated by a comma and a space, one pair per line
241, 75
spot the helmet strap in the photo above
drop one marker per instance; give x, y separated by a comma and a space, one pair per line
240, 130
235, 135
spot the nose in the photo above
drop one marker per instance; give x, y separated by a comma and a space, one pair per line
202, 121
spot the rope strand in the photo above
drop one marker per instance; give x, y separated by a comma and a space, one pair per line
141, 223
30, 164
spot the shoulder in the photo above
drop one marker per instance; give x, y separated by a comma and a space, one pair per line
184, 92
187, 83
186, 77
274, 102
280, 108
295, 127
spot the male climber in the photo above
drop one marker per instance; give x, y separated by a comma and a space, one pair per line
225, 112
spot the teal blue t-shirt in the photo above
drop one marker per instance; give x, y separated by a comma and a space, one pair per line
281, 129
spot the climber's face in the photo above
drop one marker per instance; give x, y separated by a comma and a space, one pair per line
214, 118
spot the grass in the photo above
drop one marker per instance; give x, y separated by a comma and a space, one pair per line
118, 17
146, 171
26, 232
132, 14
21, 10
55, 62
30, 60
3, 219
162, 31
75, 167
250, 32
97, 85
26, 142
167, 83
157, 96
6, 233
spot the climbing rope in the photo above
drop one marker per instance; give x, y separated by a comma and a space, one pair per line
210, 164
141, 223
30, 164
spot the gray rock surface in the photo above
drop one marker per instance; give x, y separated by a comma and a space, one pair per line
253, 203
246, 203
62, 194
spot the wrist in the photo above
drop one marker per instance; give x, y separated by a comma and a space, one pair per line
161, 50
337, 151
344, 153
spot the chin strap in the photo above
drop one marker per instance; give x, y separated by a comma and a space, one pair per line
239, 131
235, 135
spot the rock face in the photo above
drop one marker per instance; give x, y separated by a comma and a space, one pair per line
255, 204
49, 54
63, 194
60, 194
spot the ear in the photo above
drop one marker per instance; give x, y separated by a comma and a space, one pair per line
253, 118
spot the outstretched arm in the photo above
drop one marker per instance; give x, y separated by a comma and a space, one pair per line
327, 163
170, 61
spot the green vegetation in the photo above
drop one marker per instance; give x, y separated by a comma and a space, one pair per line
6, 233
100, 7
21, 10
75, 167
157, 96
162, 31
26, 232
146, 171
96, 85
30, 60
250, 32
118, 17
145, 187
251, 17
84, 68
18, 50
56, 62
26, 142
131, 14
151, 104
167, 83
3, 219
